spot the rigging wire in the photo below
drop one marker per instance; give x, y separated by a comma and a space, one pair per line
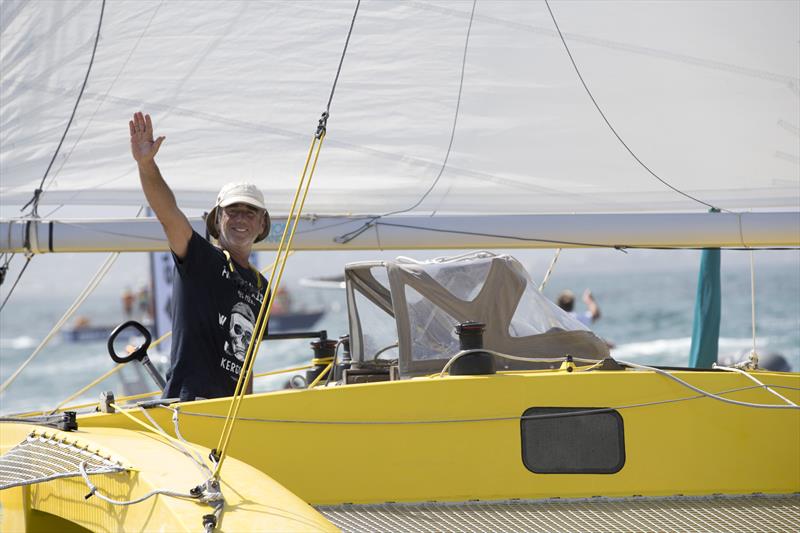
729, 68
707, 394
608, 123
103, 98
118, 367
19, 276
341, 59
90, 287
455, 119
134, 397
549, 270
93, 283
37, 192
355, 233
328, 422
754, 354
266, 306
755, 380
6, 258
619, 246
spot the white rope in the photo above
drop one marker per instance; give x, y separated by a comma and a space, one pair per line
513, 358
549, 270
93, 491
632, 365
705, 393
95, 281
464, 420
180, 447
753, 378
198, 459
754, 354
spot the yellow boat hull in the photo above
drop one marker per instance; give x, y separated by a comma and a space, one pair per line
452, 439
459, 438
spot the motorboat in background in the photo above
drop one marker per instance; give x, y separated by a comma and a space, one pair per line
285, 318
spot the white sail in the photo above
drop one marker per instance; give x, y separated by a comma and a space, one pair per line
704, 93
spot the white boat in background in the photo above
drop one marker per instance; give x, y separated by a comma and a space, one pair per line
457, 125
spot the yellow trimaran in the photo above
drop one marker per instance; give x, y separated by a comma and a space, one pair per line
422, 440
439, 437
480, 444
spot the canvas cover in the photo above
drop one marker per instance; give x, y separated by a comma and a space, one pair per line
426, 300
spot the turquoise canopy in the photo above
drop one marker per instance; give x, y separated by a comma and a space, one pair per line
707, 309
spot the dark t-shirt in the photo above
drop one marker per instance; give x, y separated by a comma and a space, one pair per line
213, 321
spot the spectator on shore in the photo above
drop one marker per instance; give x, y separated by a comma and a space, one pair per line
127, 303
566, 301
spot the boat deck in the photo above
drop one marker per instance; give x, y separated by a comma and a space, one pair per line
746, 513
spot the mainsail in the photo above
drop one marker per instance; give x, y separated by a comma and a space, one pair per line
237, 88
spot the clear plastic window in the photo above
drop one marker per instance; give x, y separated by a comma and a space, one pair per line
378, 328
433, 333
536, 314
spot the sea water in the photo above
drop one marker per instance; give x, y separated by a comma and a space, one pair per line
646, 315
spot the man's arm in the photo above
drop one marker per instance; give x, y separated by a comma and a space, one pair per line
159, 195
591, 303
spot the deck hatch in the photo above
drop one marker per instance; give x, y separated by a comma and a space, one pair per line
572, 440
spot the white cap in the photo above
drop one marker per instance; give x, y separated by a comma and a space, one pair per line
240, 193
237, 193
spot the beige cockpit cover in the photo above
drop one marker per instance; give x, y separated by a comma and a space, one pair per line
505, 288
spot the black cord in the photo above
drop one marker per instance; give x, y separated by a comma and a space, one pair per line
323, 121
341, 60
621, 247
15, 282
455, 120
597, 106
38, 191
4, 268
347, 237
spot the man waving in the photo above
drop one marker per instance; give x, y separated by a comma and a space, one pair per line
215, 286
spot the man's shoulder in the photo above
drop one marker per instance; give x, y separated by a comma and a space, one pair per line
198, 244
200, 255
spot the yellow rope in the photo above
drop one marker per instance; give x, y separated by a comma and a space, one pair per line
111, 372
161, 338
266, 306
284, 371
72, 396
321, 375
117, 368
153, 393
260, 317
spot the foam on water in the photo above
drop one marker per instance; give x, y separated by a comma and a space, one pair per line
22, 342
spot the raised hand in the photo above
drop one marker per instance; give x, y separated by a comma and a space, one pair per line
143, 148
